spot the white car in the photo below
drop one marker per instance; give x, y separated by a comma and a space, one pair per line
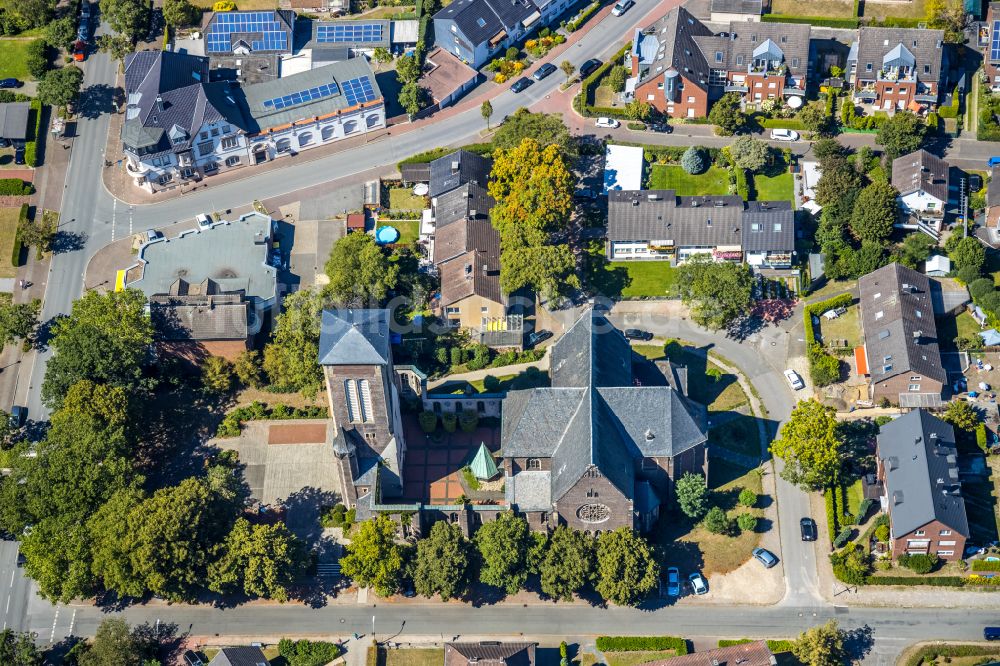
621, 7
698, 583
610, 123
784, 135
794, 379
204, 220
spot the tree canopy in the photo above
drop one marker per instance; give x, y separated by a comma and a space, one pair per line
545, 128
178, 13
291, 359
503, 546
18, 649
60, 86
60, 33
568, 564
360, 272
257, 560
128, 17
749, 153
692, 495
116, 644
105, 339
968, 252
809, 445
822, 645
875, 212
719, 293
18, 321
727, 115
626, 568
442, 563
901, 133
374, 559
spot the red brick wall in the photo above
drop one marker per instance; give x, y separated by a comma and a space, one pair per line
932, 533
892, 387
765, 92
680, 108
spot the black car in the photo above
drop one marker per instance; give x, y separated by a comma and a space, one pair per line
18, 415
85, 10
538, 337
543, 71
637, 334
191, 658
521, 84
975, 182
21, 559
665, 128
10, 83
588, 67
808, 527
19, 155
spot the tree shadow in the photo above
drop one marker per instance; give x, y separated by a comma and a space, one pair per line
96, 100
68, 241
859, 642
601, 278
744, 327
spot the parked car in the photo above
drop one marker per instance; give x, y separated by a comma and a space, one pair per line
191, 658
622, 6
18, 415
79, 50
698, 584
10, 83
673, 582
4, 143
544, 71
520, 84
19, 155
992, 162
808, 528
152, 235
204, 220
975, 182
538, 337
83, 32
794, 379
588, 67
609, 123
991, 633
765, 557
637, 334
665, 128
85, 10
784, 135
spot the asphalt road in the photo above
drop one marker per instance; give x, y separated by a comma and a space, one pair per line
15, 589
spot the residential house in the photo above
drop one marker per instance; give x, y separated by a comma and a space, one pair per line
922, 182
918, 467
680, 66
895, 69
993, 198
597, 450
754, 653
659, 225
458, 168
332, 41
247, 46
901, 346
14, 122
478, 30
362, 388
991, 46
736, 11
209, 290
180, 127
239, 656
489, 653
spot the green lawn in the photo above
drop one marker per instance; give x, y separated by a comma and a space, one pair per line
645, 279
636, 658
855, 495
8, 229
672, 177
403, 198
845, 327
777, 187
949, 328
413, 657
12, 58
409, 230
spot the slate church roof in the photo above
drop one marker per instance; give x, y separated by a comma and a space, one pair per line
354, 337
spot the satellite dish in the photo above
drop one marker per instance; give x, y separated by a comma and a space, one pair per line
794, 102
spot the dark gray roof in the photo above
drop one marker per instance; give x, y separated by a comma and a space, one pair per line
239, 656
993, 188
920, 460
892, 317
786, 43
458, 168
455, 208
475, 271
920, 170
354, 337
673, 46
14, 120
416, 173
264, 117
594, 415
926, 46
489, 653
768, 225
752, 7
168, 99
221, 317
479, 20
705, 221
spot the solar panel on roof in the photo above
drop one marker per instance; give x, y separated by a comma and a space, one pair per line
357, 91
302, 96
272, 33
995, 42
349, 33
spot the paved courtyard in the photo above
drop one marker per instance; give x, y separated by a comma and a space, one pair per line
433, 465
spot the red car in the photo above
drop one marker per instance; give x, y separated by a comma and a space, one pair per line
79, 50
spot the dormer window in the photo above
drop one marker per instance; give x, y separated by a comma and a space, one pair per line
718, 56
868, 67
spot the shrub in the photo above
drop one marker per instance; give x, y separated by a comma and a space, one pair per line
15, 187
882, 533
232, 423
22, 219
717, 522
36, 58
747, 522
980, 287
428, 421
582, 17
930, 653
985, 565
935, 581
843, 537
981, 437
468, 420
920, 563
773, 645
512, 53
852, 565
641, 644
455, 356
450, 421
306, 653
864, 507
748, 497
831, 513
848, 23
491, 384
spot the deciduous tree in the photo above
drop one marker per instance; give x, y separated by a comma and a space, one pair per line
568, 69
638, 110
626, 568
692, 495
410, 96
915, 248
968, 252
875, 212
814, 118
60, 33
127, 17
18, 649
809, 445
486, 111
962, 415
60, 87
568, 564
822, 645
117, 46
838, 179
258, 560
901, 133
442, 562
360, 272
374, 559
291, 358
717, 522
503, 546
217, 375
408, 69
726, 115
749, 153
115, 644
18, 321
545, 128
380, 56
178, 13
248, 369
719, 293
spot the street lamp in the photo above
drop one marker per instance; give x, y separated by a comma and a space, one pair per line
373, 630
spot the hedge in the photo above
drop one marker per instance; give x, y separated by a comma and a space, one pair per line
981, 437
31, 146
849, 23
950, 111
742, 184
582, 101
985, 565
433, 154
783, 123
774, 646
843, 537
931, 652
18, 250
584, 15
15, 187
832, 515
933, 581
642, 644
232, 423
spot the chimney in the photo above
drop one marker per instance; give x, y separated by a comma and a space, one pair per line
473, 212
650, 436
159, 103
897, 497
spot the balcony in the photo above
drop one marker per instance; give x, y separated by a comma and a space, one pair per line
139, 169
926, 97
896, 76
732, 87
865, 95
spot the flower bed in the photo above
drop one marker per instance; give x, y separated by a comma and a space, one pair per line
505, 69
543, 44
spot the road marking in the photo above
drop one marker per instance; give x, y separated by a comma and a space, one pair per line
72, 622
114, 219
52, 637
130, 209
